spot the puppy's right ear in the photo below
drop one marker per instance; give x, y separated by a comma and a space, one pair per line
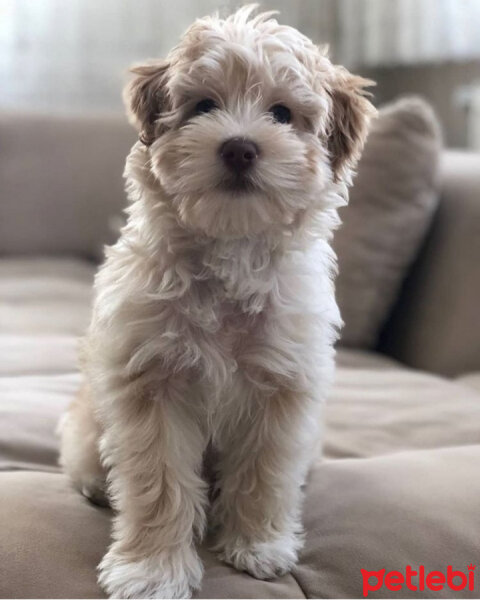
146, 98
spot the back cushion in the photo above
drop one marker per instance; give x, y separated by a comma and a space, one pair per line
61, 182
391, 205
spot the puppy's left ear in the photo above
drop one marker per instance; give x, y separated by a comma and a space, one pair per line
350, 116
145, 97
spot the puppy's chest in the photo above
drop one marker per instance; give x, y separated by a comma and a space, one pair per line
240, 275
233, 299
236, 328
237, 297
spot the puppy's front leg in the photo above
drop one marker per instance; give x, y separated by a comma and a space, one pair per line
265, 450
154, 445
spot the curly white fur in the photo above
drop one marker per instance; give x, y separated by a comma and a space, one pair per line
215, 316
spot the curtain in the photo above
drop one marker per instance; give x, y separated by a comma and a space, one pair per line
375, 33
71, 55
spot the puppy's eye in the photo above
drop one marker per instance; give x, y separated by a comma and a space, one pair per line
281, 114
205, 106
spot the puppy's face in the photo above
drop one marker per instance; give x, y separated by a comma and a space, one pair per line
247, 123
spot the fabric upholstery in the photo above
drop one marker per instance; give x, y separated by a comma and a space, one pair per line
383, 512
391, 205
376, 410
435, 325
386, 512
399, 483
61, 182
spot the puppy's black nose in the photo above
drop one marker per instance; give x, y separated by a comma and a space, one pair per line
239, 154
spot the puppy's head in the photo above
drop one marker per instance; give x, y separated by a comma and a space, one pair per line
247, 123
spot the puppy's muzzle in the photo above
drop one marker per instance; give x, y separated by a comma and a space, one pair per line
239, 154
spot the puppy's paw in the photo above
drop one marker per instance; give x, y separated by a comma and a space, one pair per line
95, 492
263, 560
164, 575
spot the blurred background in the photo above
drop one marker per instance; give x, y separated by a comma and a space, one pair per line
72, 55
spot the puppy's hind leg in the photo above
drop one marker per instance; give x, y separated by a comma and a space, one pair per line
79, 454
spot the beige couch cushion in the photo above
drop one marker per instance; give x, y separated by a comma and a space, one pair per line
391, 205
44, 307
399, 484
409, 508
377, 410
30, 408
417, 508
46, 299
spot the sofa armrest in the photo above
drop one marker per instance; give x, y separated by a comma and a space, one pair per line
435, 325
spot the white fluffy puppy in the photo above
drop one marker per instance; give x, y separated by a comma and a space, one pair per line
215, 316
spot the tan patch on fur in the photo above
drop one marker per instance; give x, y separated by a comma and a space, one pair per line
312, 161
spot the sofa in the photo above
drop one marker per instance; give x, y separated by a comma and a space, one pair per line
399, 482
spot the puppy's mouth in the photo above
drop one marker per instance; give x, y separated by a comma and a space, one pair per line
240, 184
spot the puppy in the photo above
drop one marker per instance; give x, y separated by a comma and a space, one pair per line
215, 317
